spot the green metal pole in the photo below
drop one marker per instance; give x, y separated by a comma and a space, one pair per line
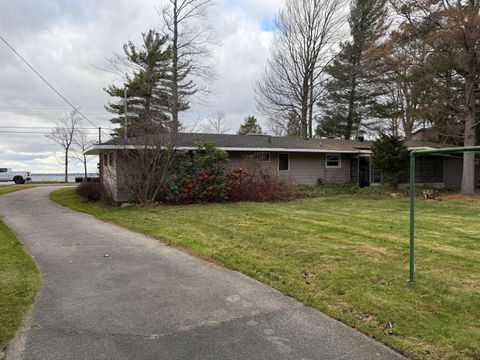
412, 216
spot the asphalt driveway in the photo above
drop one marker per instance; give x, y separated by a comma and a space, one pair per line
146, 300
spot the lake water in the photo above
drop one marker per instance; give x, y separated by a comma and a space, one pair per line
57, 177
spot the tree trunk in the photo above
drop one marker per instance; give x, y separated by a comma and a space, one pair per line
310, 109
351, 105
174, 105
408, 128
66, 166
304, 118
85, 167
305, 95
468, 177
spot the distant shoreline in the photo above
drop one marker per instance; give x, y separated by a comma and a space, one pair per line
42, 177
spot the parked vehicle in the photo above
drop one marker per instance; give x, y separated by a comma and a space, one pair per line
18, 177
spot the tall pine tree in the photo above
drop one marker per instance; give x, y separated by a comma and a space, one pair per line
147, 97
350, 89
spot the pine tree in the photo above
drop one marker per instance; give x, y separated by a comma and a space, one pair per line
250, 126
147, 98
350, 89
390, 155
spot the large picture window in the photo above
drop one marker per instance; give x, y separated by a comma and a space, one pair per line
429, 170
283, 162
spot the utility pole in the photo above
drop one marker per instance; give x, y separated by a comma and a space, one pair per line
99, 135
126, 108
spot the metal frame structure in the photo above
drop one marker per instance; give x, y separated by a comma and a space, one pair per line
412, 192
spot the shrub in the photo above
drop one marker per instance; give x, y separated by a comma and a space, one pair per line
251, 182
342, 189
197, 176
390, 155
93, 191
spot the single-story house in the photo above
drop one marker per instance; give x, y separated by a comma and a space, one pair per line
304, 161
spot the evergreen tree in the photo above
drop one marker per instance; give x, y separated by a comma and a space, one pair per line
250, 126
294, 126
390, 155
350, 89
147, 98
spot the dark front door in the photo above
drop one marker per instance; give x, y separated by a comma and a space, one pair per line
364, 172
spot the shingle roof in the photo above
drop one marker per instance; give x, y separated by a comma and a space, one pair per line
253, 141
430, 144
262, 143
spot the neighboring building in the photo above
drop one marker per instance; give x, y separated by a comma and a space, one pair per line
308, 162
455, 133
427, 134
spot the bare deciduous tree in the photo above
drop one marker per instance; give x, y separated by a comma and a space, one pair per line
215, 124
64, 134
82, 142
306, 31
191, 40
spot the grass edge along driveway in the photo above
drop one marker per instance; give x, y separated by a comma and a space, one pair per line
19, 280
5, 189
346, 256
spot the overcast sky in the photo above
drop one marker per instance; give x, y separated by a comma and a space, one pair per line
66, 39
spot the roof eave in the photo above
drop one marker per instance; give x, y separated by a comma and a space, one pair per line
97, 149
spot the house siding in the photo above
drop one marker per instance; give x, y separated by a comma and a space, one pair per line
304, 168
338, 175
109, 173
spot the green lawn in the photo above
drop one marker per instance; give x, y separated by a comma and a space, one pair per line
346, 256
4, 189
19, 280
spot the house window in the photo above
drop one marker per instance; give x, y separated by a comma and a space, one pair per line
283, 162
105, 159
110, 161
263, 156
333, 161
429, 170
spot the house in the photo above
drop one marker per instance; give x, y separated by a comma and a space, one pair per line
308, 162
455, 133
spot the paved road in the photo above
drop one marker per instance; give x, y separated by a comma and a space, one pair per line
150, 301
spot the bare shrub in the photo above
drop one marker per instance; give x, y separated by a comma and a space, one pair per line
253, 182
146, 167
94, 191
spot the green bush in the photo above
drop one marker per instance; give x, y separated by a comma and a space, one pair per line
197, 176
390, 155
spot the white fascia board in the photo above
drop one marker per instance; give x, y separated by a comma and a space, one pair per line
421, 148
285, 150
96, 149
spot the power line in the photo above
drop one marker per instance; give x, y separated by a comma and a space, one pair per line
34, 132
45, 80
43, 127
